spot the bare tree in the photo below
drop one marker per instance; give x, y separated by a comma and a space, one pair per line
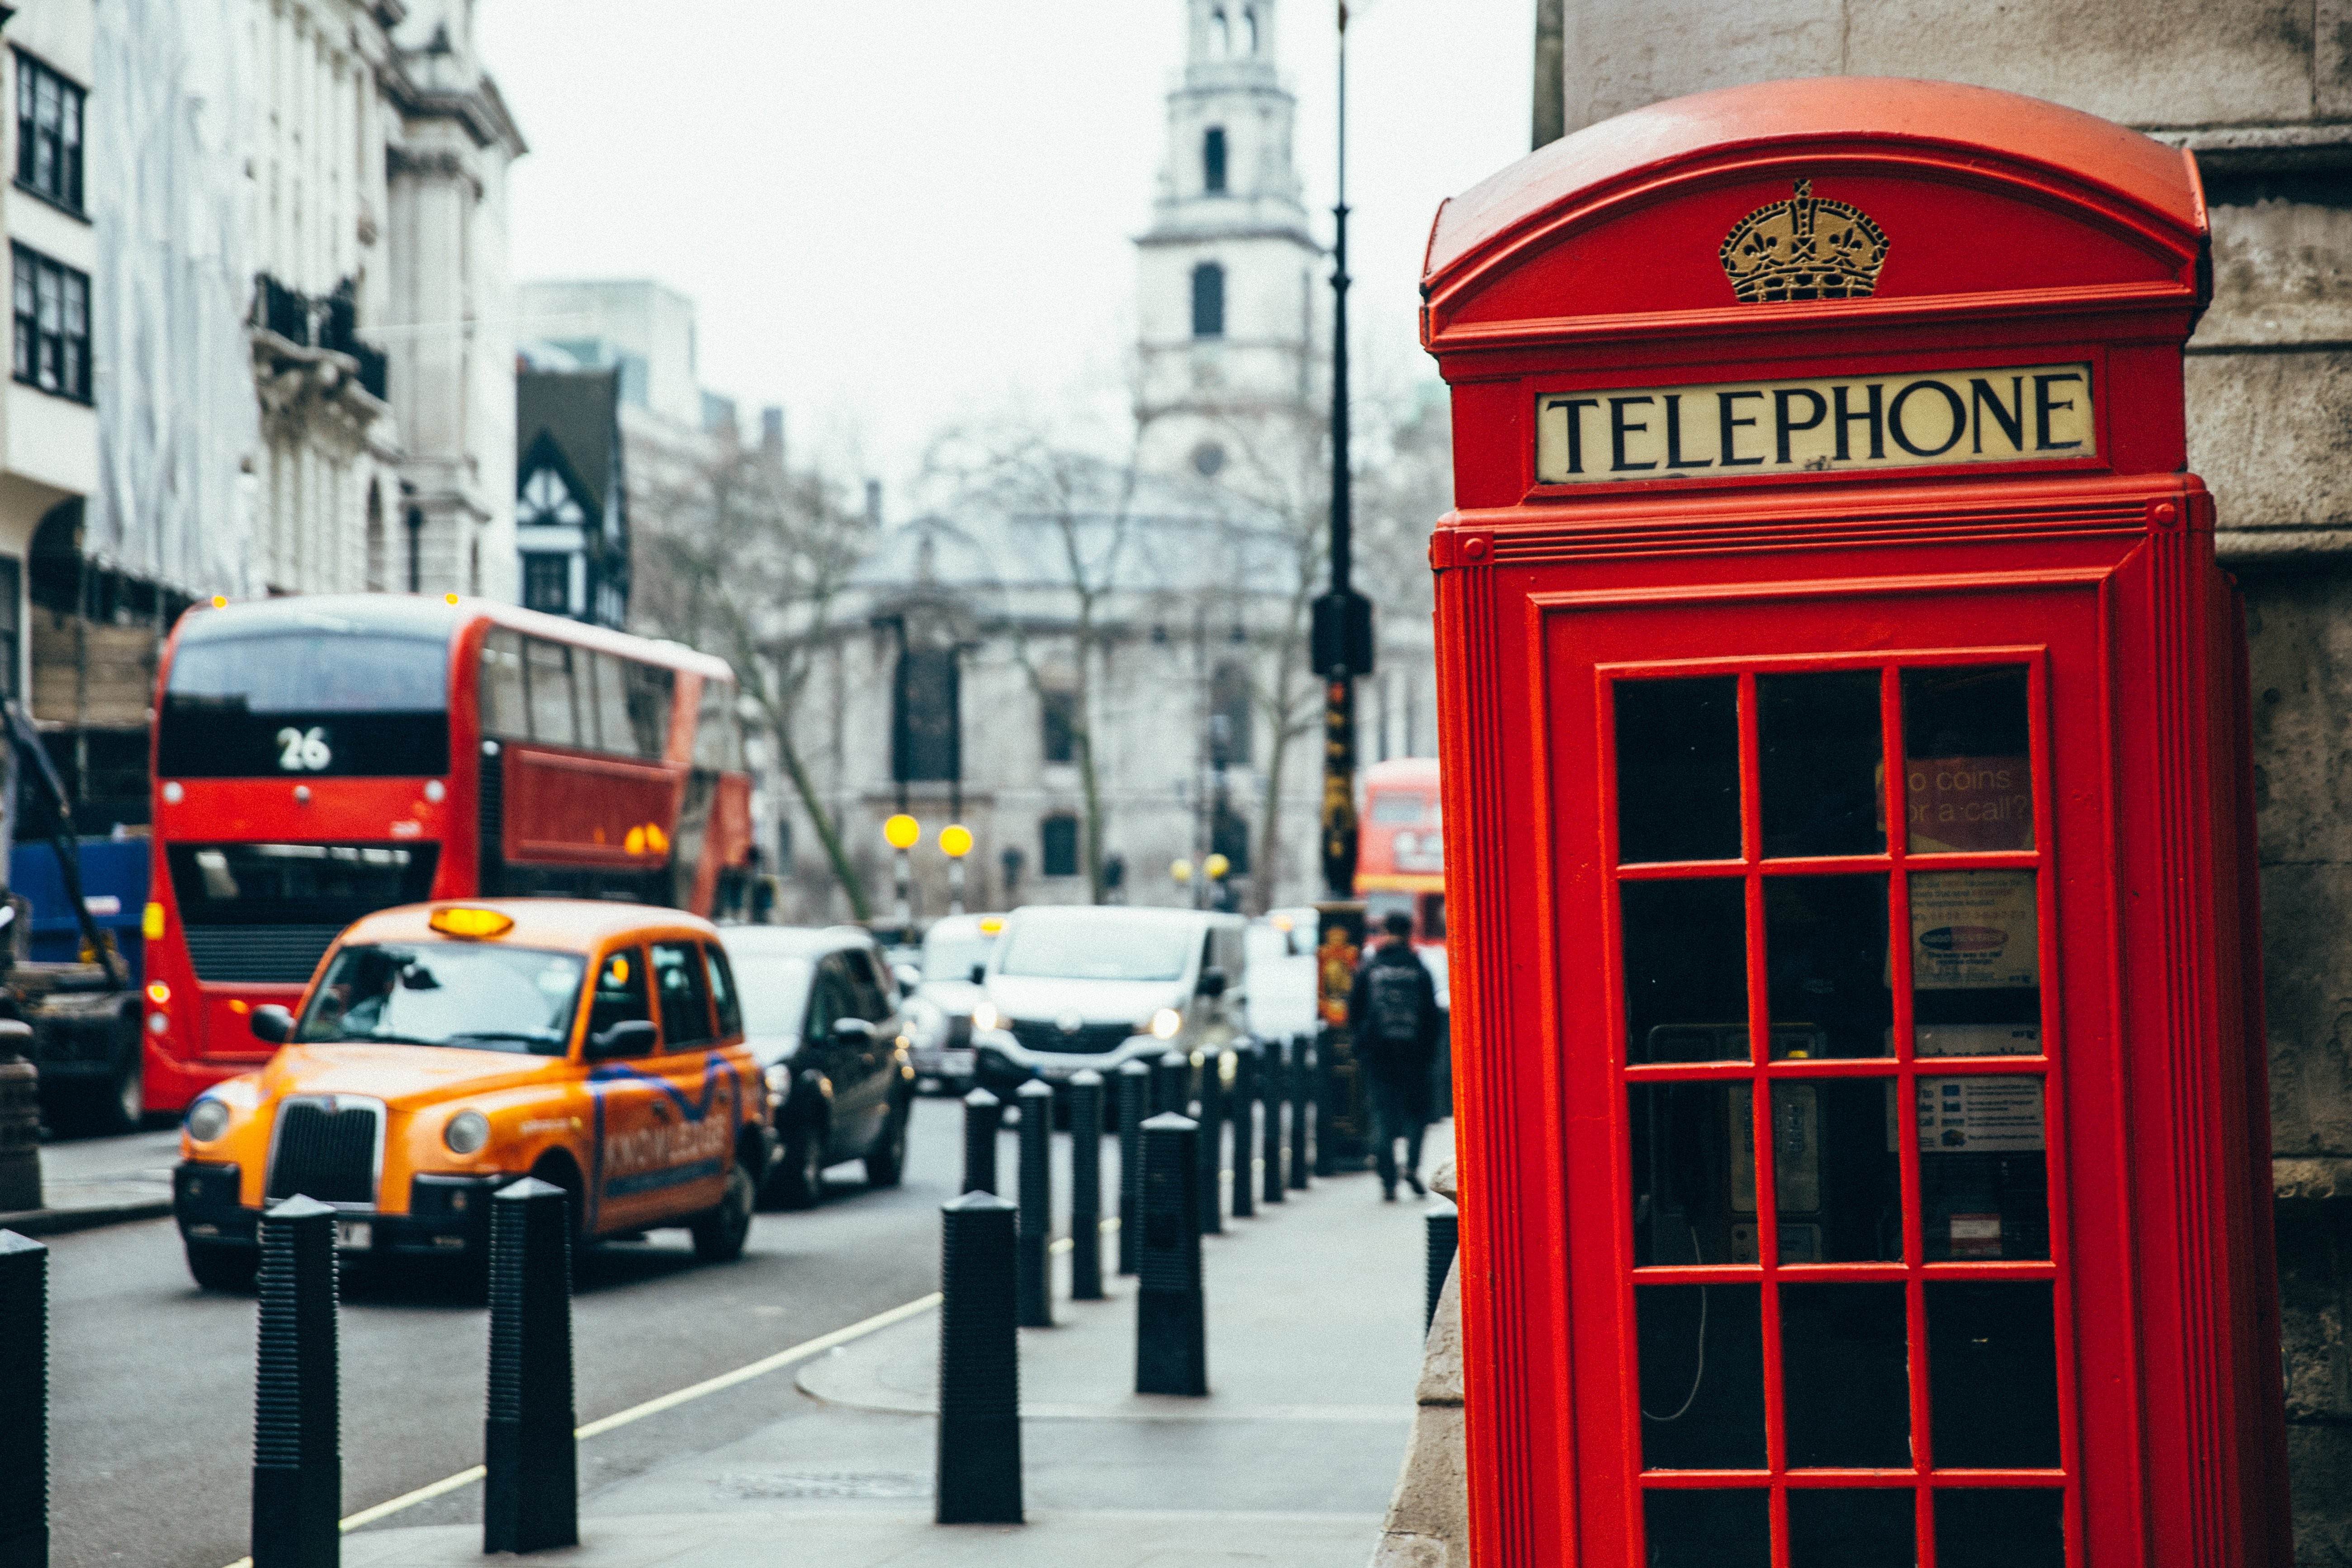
735, 555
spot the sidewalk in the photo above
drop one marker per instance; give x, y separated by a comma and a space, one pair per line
1314, 1340
92, 1182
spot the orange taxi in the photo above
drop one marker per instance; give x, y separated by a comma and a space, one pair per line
442, 1050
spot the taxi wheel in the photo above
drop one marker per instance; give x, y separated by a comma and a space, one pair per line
230, 1268
887, 1161
719, 1236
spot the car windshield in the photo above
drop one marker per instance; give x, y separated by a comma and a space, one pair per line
475, 997
951, 957
1098, 949
775, 987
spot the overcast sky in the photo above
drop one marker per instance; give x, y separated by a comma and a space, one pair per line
894, 215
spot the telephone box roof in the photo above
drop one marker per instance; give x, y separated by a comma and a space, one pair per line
1613, 163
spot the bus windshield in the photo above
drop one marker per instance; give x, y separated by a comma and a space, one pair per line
275, 699
446, 994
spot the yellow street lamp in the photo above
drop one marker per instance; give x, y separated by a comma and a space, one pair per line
902, 831
1216, 866
1181, 870
955, 840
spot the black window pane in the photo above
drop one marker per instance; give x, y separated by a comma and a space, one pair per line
1836, 1175
1702, 1377
1819, 763
1992, 1374
1707, 1530
1058, 839
1846, 1393
1693, 1173
1851, 1528
2004, 1529
1678, 769
1686, 971
1984, 1185
1825, 963
1968, 773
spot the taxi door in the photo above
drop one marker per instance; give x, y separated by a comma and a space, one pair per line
624, 1180
697, 1113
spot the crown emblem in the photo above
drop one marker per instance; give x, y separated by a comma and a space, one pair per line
1806, 247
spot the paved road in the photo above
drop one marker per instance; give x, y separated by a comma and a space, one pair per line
151, 1381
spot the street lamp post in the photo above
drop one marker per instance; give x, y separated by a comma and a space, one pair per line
900, 832
955, 841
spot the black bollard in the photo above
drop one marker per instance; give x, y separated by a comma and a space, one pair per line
530, 1498
983, 1113
1172, 1348
1034, 1235
298, 1462
1172, 1086
1086, 1185
1325, 1145
1269, 1133
25, 1395
1210, 1148
1243, 1106
979, 1475
1444, 1227
1134, 1106
1302, 1094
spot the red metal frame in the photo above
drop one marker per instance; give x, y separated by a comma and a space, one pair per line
2025, 234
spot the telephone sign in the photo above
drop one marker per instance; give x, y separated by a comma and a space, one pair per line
1858, 1040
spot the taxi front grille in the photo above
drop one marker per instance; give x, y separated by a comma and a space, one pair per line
327, 1150
1089, 1039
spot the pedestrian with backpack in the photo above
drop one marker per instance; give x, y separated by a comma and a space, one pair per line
1394, 1007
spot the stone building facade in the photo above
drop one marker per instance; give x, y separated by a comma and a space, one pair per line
2261, 91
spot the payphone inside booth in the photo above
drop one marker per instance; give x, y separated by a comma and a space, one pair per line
1858, 1070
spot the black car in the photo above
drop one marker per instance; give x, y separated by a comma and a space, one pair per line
820, 1012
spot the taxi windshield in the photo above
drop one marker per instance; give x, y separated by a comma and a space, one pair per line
471, 996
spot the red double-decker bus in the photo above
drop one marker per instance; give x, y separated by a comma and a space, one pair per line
319, 758
1400, 847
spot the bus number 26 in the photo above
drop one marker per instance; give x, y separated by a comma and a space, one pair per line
303, 751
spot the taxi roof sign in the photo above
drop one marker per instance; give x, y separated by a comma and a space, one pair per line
458, 919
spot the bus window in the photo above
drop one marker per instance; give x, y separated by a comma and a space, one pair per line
650, 689
1395, 807
504, 711
718, 732
548, 667
613, 731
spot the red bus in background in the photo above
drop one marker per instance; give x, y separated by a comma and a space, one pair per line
1400, 849
320, 758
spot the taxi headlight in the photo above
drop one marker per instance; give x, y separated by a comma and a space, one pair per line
1165, 1022
466, 1132
984, 1016
207, 1120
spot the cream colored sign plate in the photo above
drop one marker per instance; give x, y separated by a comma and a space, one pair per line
2005, 415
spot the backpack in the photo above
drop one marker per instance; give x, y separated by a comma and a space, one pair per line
1395, 1002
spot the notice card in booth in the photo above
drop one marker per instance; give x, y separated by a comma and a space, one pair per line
1973, 930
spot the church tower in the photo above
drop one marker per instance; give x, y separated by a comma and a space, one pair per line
1227, 276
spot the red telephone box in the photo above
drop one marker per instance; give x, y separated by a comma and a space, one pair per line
1856, 988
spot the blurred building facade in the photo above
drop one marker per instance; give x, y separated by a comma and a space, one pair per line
571, 499
2262, 92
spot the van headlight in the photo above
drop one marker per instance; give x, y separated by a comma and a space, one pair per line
1165, 1023
984, 1016
780, 1078
207, 1120
466, 1132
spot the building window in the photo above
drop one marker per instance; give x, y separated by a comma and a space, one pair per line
1212, 160
48, 133
1060, 710
12, 587
547, 581
1058, 838
927, 741
1207, 300
546, 500
52, 326
1229, 713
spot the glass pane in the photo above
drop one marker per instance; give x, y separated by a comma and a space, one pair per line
1821, 764
1851, 1528
502, 705
1846, 1392
1825, 963
1975, 963
1967, 771
2003, 1528
1707, 1530
614, 732
1992, 1374
1837, 1178
549, 666
1702, 1363
1693, 1173
1678, 769
1686, 971
1984, 1185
